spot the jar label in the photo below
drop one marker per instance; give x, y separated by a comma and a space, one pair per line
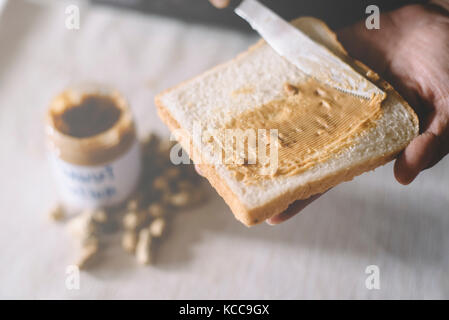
97, 186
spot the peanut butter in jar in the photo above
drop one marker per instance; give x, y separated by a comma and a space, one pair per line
93, 148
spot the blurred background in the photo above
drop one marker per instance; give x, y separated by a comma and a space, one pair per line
142, 48
335, 13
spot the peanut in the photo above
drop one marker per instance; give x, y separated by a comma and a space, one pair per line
133, 220
172, 173
129, 241
56, 213
82, 226
100, 216
179, 199
132, 205
143, 249
290, 89
87, 256
185, 185
156, 210
160, 183
157, 227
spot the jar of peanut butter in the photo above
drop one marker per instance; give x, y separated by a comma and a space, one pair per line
93, 148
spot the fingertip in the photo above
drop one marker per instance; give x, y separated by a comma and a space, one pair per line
417, 156
220, 4
277, 219
292, 210
401, 172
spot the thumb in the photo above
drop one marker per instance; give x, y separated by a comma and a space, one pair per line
420, 154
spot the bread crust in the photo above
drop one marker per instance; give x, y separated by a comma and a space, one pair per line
269, 209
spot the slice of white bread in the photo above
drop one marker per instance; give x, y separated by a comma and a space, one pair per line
211, 99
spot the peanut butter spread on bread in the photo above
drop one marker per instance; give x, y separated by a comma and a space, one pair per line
313, 122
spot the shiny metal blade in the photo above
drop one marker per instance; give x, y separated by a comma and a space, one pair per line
310, 57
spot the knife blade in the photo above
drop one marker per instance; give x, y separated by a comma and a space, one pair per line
309, 56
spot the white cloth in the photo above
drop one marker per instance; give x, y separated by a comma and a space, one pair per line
322, 253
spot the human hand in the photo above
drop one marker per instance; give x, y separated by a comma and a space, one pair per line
220, 3
411, 50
